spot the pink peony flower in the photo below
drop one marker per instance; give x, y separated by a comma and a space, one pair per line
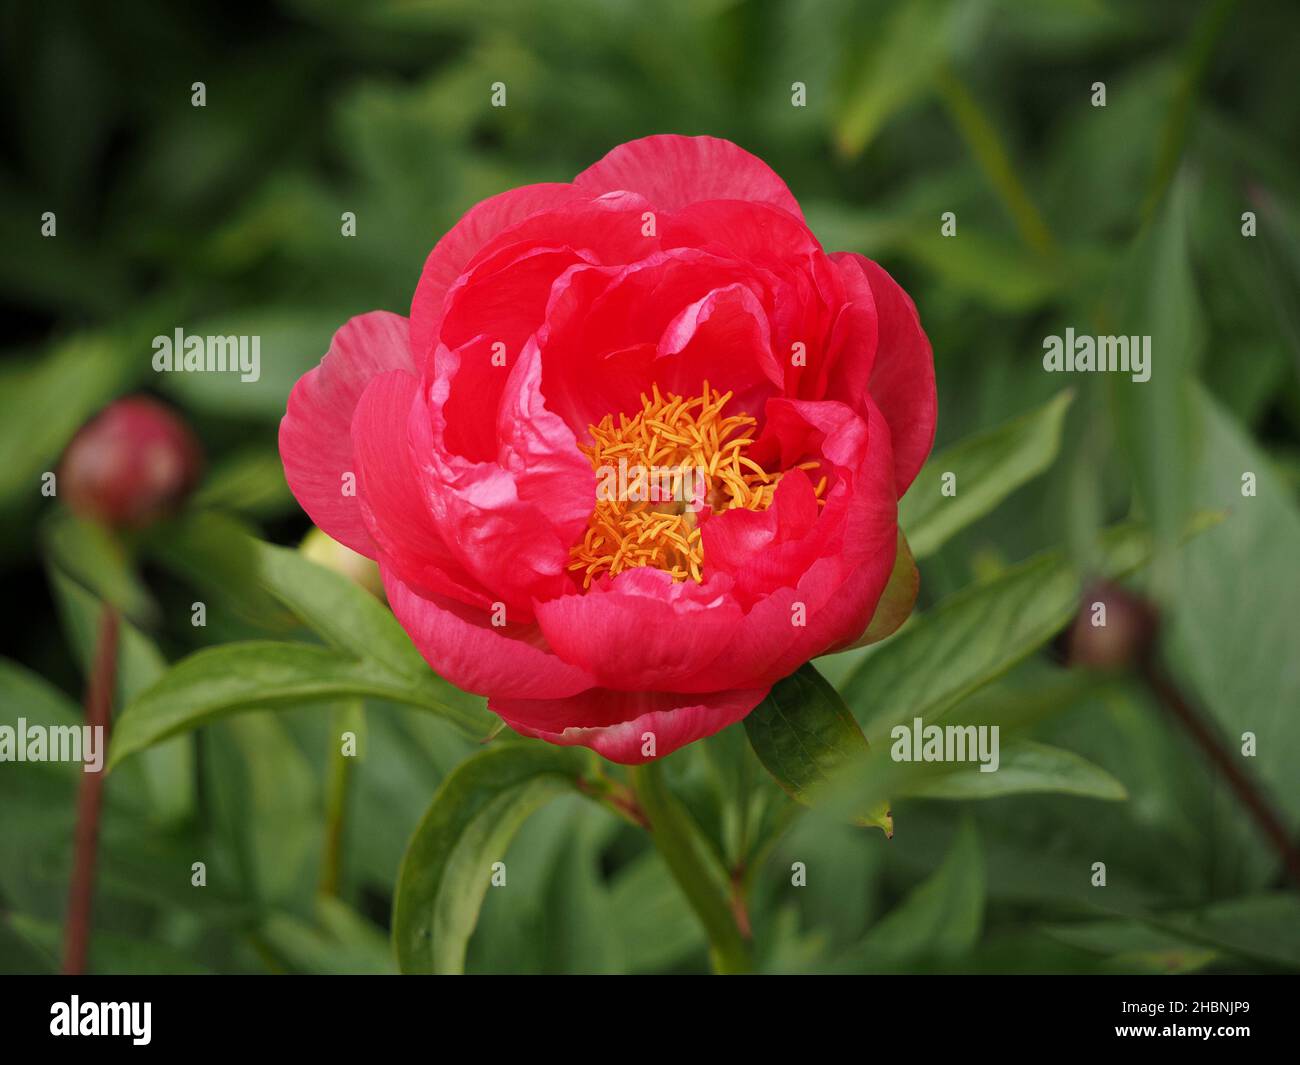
668, 310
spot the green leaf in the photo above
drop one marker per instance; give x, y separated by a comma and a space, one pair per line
978, 634
342, 613
803, 733
1133, 944
340, 941
988, 468
1260, 927
28, 694
88, 553
1024, 767
262, 801
940, 918
250, 482
902, 58
42, 403
1157, 420
219, 681
1233, 627
109, 952
448, 864
996, 269
654, 922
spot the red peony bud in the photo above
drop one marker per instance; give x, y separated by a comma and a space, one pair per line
135, 462
1113, 630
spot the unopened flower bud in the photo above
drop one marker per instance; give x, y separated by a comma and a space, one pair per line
1114, 628
134, 463
328, 552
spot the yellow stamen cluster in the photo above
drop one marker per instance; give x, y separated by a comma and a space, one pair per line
676, 434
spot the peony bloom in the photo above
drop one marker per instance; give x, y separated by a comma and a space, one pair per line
637, 452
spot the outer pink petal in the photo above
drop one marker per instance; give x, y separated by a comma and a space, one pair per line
672, 171
902, 376
641, 630
480, 224
392, 500
315, 433
461, 644
616, 724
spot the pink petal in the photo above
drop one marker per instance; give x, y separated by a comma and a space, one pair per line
902, 376
462, 645
315, 433
723, 338
392, 500
604, 326
503, 541
803, 289
673, 171
480, 224
541, 453
837, 594
641, 630
618, 724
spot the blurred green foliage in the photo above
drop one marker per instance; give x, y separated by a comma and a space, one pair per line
226, 219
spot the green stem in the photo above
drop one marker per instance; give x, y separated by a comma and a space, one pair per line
985, 144
1205, 34
347, 718
687, 856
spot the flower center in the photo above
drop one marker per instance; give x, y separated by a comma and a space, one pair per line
656, 471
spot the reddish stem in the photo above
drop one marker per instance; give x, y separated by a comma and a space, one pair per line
1261, 812
99, 701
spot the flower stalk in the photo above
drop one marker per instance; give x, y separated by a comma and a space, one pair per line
90, 798
688, 859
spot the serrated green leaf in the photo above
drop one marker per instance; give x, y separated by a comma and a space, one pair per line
448, 864
988, 468
804, 734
